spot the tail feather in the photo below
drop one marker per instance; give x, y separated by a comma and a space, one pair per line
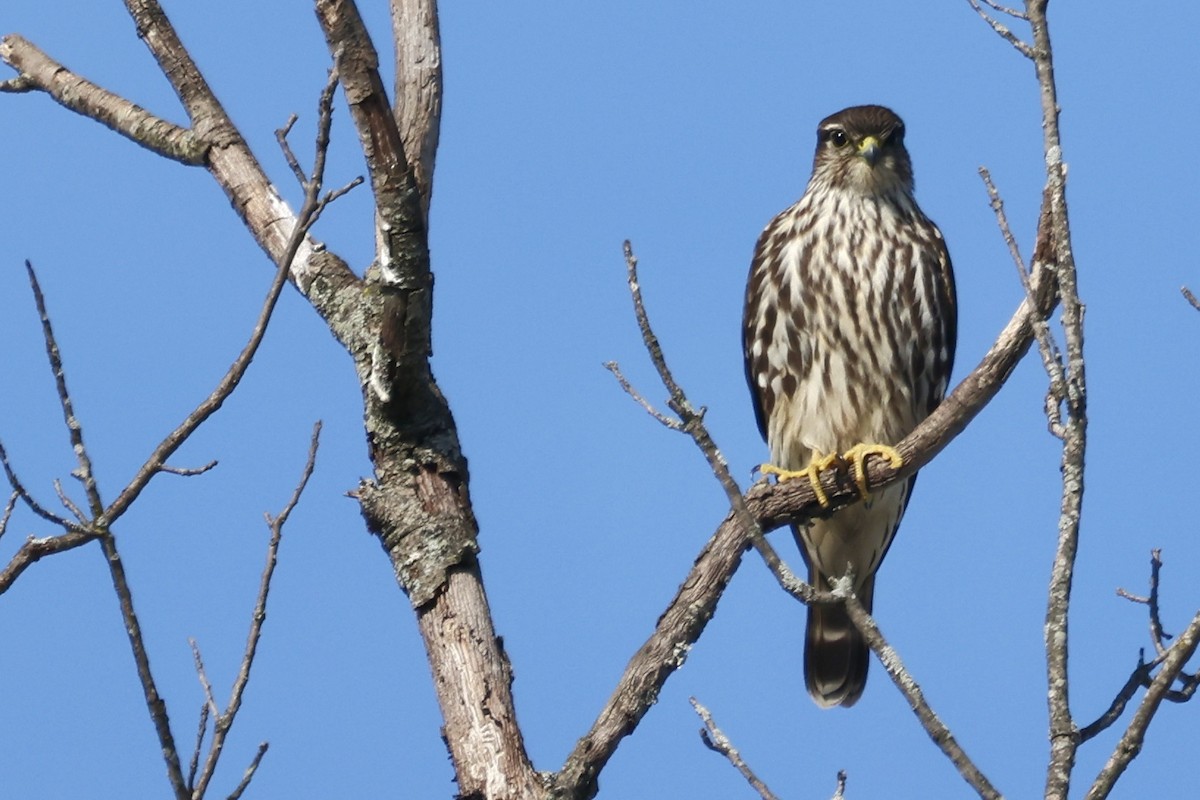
835, 655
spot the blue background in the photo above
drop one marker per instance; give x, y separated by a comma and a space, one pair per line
568, 128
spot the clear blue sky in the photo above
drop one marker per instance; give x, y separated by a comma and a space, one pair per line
568, 128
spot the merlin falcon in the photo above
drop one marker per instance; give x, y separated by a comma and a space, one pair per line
849, 334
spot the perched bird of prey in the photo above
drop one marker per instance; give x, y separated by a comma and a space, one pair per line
849, 334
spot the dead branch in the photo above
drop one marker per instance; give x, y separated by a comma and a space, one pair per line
418, 89
223, 720
248, 775
201, 731
1131, 741
716, 740
1157, 636
1047, 346
1002, 30
39, 72
933, 725
9, 507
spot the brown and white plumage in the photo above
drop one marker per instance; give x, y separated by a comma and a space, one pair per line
849, 334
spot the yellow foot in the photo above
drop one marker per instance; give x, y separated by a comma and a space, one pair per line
857, 456
813, 472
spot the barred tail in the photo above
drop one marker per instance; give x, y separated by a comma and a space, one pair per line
835, 655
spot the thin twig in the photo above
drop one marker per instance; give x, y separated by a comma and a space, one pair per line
933, 725
34, 506
223, 721
1012, 12
68, 503
716, 740
154, 702
1139, 677
248, 775
188, 472
9, 507
1131, 741
1051, 357
281, 136
34, 550
629, 389
202, 674
1157, 635
74, 428
1002, 30
1191, 298
201, 730
1143, 674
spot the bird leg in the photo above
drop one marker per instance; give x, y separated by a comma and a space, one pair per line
856, 456
813, 471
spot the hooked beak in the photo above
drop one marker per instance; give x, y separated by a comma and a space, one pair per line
869, 148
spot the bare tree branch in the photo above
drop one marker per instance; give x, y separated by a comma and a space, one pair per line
68, 503
205, 683
1191, 298
1142, 675
20, 491
34, 550
188, 472
9, 507
716, 740
201, 730
1131, 741
1002, 30
1064, 735
402, 247
418, 88
42, 73
937, 730
1051, 357
1012, 12
223, 720
249, 773
1151, 602
628, 388
156, 706
74, 428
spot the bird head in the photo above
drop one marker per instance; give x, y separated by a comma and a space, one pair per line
861, 149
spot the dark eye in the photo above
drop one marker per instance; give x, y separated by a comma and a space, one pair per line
897, 135
839, 137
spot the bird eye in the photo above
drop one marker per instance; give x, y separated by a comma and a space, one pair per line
897, 134
838, 137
